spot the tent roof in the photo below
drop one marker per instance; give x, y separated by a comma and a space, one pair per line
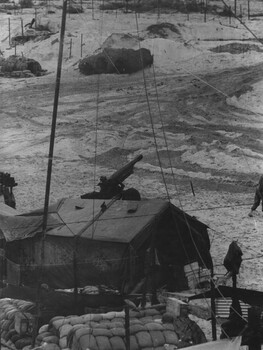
122, 221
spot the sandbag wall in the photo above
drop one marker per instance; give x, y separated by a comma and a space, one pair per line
9, 308
107, 331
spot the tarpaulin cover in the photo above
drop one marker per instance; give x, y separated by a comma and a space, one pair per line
69, 217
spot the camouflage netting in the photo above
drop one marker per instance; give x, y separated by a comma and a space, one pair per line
149, 329
119, 61
10, 308
20, 64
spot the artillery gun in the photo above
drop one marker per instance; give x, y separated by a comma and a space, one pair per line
113, 186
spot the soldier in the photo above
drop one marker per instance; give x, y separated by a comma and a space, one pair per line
258, 196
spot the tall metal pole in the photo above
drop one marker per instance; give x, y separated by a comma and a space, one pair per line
49, 170
9, 31
54, 117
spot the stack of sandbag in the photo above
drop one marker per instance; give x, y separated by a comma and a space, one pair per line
20, 66
47, 339
10, 308
107, 331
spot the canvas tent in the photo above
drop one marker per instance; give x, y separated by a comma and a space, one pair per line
93, 242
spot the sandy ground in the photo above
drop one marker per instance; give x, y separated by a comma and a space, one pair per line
200, 110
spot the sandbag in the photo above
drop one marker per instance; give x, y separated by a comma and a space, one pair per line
76, 320
170, 337
120, 332
135, 328
96, 317
146, 319
133, 343
50, 346
102, 331
154, 326
6, 324
118, 319
43, 328
83, 331
64, 330
57, 322
117, 343
168, 326
115, 325
109, 315
21, 343
135, 321
103, 343
63, 343
144, 339
51, 339
103, 325
135, 314
87, 318
88, 341
157, 338
10, 314
43, 335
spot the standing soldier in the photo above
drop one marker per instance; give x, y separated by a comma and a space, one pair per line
258, 196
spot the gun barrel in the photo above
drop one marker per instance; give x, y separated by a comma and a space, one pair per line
122, 174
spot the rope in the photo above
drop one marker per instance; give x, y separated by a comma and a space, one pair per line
151, 117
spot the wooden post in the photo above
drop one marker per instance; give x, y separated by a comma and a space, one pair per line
9, 31
70, 48
22, 27
192, 188
127, 326
15, 48
92, 8
81, 44
230, 14
241, 14
254, 314
235, 7
248, 9
205, 9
